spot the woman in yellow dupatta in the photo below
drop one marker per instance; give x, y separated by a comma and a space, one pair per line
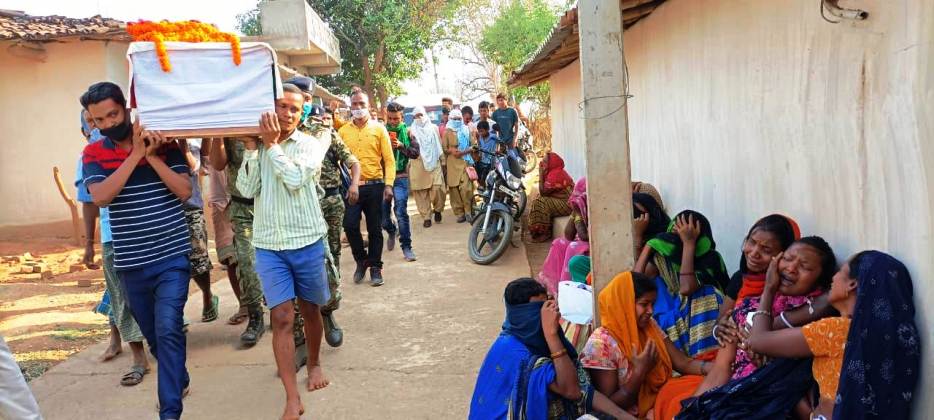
629, 358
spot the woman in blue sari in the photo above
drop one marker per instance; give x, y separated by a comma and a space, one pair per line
531, 371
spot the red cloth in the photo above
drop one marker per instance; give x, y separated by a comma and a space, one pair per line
753, 285
554, 177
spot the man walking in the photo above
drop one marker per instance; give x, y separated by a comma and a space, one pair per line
227, 155
426, 181
457, 146
143, 178
404, 148
289, 236
369, 142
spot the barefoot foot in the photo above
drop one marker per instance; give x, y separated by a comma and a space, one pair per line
293, 410
111, 352
316, 378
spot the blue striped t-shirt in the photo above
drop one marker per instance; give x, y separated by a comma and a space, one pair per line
146, 218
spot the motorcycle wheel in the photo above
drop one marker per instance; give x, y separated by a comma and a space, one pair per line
495, 240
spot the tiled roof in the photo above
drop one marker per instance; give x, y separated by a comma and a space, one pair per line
18, 25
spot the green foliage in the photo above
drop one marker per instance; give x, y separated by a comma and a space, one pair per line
248, 23
521, 27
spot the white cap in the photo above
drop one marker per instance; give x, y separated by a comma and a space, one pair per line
455, 113
420, 110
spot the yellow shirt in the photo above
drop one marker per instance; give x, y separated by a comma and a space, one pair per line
827, 340
371, 146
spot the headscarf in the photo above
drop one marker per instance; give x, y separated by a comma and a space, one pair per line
881, 363
578, 198
646, 188
708, 264
788, 232
554, 176
429, 143
402, 134
524, 321
618, 315
579, 267
463, 133
95, 133
658, 219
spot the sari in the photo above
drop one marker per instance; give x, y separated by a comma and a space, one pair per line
743, 283
743, 365
555, 269
646, 188
658, 219
555, 192
513, 380
689, 321
618, 316
881, 363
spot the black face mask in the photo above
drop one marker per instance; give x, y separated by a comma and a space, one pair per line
118, 132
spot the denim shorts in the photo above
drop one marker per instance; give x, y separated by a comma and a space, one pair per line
294, 272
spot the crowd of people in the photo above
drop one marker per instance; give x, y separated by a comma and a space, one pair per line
279, 203
791, 334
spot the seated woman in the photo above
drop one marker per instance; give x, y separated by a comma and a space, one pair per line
646, 188
690, 275
572, 244
555, 190
649, 219
806, 269
873, 294
531, 371
629, 358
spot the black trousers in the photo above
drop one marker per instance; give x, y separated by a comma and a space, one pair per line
370, 205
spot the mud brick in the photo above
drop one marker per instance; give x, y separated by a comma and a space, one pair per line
25, 269
74, 268
30, 276
84, 283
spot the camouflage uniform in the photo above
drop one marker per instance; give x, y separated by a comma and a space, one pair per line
332, 204
199, 258
241, 217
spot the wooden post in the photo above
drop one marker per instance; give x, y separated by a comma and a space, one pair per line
72, 205
606, 137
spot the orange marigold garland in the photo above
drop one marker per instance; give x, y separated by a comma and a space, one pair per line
184, 31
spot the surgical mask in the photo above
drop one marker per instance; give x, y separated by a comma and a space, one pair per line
306, 109
455, 124
118, 132
359, 114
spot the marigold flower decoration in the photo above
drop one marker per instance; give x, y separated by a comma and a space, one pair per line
184, 31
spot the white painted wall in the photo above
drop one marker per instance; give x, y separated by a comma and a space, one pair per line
747, 107
39, 125
567, 124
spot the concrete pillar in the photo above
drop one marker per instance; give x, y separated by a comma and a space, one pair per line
606, 137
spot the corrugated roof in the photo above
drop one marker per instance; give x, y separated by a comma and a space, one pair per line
18, 25
562, 47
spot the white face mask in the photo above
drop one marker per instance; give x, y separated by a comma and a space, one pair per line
359, 114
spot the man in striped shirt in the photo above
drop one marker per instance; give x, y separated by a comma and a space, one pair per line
142, 178
289, 234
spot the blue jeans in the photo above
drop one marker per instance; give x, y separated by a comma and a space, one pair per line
157, 296
400, 193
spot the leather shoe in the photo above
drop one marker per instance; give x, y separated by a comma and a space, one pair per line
376, 276
333, 334
437, 217
427, 223
391, 242
359, 274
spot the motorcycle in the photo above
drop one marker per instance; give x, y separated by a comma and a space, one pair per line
502, 204
525, 145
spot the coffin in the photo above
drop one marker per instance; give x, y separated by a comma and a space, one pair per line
205, 94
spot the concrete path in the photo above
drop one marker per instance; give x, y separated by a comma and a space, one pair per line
411, 350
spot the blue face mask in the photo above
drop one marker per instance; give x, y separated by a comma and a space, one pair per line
306, 109
455, 124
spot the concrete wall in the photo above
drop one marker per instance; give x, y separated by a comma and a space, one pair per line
747, 107
567, 124
39, 125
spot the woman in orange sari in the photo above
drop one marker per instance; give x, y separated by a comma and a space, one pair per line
629, 358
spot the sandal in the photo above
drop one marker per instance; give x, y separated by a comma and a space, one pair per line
134, 376
210, 314
239, 317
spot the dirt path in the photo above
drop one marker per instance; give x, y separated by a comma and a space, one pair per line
411, 348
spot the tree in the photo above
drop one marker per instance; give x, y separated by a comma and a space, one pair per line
382, 42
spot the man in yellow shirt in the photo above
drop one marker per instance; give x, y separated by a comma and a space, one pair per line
368, 140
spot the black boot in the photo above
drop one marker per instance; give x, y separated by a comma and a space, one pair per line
359, 273
254, 328
333, 334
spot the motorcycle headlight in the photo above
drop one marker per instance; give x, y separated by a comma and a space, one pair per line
512, 181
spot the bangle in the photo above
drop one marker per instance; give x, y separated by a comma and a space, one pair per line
760, 313
558, 354
782, 316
